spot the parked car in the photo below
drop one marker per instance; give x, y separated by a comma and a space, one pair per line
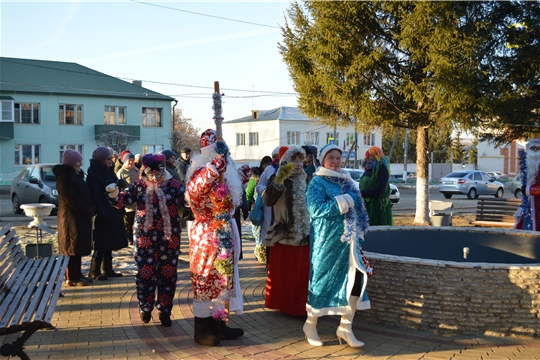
497, 175
394, 191
515, 187
34, 184
472, 183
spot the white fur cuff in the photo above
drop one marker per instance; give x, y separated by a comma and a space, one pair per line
349, 199
342, 204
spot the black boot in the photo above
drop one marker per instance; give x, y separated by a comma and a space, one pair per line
95, 265
146, 316
203, 334
222, 331
165, 319
108, 269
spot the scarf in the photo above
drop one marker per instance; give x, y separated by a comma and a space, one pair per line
152, 189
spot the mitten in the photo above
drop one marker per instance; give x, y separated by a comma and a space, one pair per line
283, 172
112, 190
220, 163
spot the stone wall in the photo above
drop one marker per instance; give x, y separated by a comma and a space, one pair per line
453, 297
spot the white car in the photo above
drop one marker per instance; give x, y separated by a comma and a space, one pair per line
356, 174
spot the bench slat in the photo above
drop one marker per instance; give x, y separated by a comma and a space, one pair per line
55, 286
496, 212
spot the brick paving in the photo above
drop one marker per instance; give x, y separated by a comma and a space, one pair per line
102, 321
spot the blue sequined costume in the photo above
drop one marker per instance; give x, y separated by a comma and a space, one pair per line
336, 240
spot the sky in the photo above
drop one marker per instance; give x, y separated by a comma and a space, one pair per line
177, 48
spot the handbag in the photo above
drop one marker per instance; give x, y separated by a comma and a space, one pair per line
257, 213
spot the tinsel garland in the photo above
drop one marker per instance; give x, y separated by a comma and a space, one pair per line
525, 206
220, 226
218, 119
301, 214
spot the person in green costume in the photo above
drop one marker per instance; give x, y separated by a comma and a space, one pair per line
375, 188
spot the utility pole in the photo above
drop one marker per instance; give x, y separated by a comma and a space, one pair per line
405, 153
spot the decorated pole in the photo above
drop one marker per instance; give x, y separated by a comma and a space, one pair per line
525, 207
220, 149
218, 119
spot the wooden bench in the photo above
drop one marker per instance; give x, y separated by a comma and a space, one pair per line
496, 212
29, 290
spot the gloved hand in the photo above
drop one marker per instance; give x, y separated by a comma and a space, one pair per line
283, 172
220, 163
112, 190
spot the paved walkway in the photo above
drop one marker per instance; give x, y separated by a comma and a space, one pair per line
102, 321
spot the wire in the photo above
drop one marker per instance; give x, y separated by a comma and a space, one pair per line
201, 14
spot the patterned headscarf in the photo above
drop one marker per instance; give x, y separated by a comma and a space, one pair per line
376, 152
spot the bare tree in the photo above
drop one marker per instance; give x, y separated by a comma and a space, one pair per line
116, 140
184, 134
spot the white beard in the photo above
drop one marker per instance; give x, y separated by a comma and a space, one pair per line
232, 179
533, 161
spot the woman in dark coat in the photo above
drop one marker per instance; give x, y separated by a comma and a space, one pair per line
75, 211
109, 232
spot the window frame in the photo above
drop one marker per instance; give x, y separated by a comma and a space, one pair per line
253, 139
240, 139
11, 111
312, 138
330, 135
145, 116
18, 119
107, 112
77, 114
19, 153
293, 138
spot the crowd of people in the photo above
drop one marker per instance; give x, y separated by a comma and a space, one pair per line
309, 240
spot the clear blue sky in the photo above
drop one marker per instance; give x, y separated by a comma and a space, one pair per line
156, 43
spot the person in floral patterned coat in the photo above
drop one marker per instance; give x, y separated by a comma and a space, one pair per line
214, 240
156, 234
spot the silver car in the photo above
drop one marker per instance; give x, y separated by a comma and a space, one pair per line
34, 184
472, 183
356, 174
515, 187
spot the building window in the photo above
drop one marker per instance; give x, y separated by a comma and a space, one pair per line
26, 154
330, 138
146, 149
293, 137
7, 111
114, 115
72, 147
349, 139
70, 114
369, 139
312, 138
151, 117
26, 113
240, 139
253, 139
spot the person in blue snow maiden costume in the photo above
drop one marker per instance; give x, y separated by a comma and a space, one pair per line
339, 271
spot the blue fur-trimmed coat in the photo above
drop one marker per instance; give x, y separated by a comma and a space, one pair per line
336, 236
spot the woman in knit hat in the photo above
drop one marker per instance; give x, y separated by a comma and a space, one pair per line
130, 174
109, 232
339, 222
75, 211
157, 234
288, 235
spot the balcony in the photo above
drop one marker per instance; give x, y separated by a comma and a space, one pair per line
134, 132
6, 130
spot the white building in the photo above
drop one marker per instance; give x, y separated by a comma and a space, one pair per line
252, 137
504, 159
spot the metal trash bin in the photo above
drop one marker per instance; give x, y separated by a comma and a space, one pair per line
440, 213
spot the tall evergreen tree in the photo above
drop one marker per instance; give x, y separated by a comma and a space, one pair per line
416, 65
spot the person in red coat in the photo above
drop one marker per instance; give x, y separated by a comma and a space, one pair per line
532, 189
